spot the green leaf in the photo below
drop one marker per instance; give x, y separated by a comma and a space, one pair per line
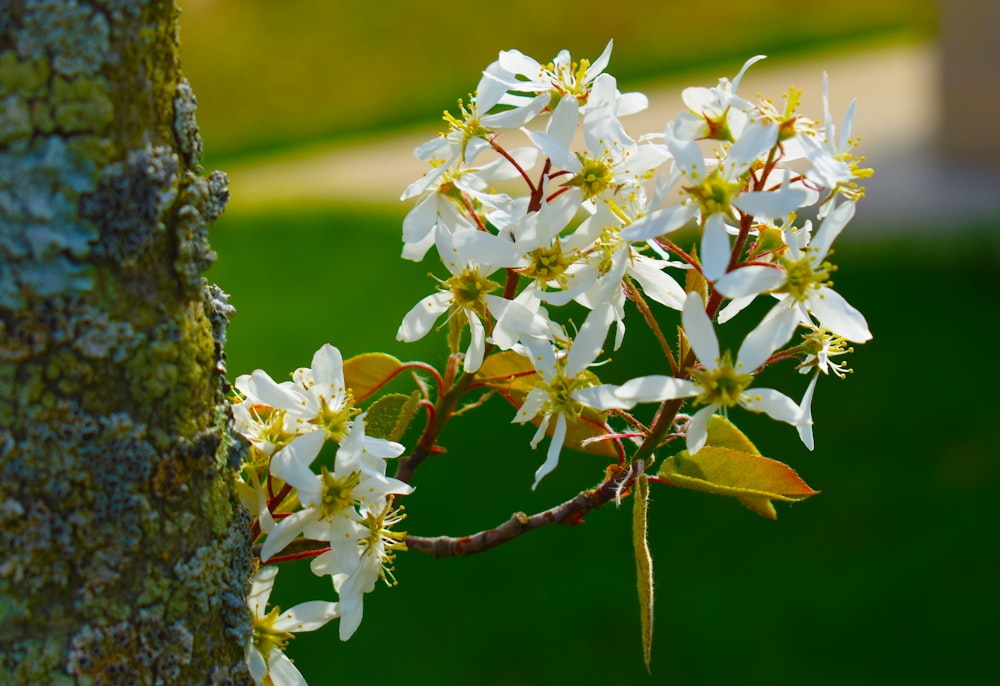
643, 565
730, 464
513, 377
390, 415
365, 374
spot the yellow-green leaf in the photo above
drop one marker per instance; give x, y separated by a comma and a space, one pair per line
513, 377
752, 479
365, 374
643, 565
508, 371
769, 240
694, 281
390, 415
722, 433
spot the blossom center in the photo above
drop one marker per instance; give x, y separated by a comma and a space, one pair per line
335, 415
381, 542
721, 386
594, 178
468, 289
338, 493
802, 276
266, 637
549, 264
715, 194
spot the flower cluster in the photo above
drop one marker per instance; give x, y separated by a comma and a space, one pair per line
538, 198
595, 225
344, 507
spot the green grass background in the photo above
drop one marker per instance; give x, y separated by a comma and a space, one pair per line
887, 576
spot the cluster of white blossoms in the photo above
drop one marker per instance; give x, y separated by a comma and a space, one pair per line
347, 503
594, 226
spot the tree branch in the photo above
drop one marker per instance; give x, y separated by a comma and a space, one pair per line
569, 513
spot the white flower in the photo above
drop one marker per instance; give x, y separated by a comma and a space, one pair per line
317, 398
265, 651
356, 569
611, 160
467, 294
719, 383
834, 165
801, 286
516, 76
330, 499
564, 388
717, 112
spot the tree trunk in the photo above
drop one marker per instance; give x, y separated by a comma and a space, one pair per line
124, 555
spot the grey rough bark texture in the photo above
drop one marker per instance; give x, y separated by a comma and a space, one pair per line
124, 555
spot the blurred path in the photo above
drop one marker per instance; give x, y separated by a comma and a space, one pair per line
896, 86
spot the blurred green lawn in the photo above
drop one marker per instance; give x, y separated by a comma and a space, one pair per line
271, 75
888, 576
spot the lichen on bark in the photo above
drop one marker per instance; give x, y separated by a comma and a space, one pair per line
125, 554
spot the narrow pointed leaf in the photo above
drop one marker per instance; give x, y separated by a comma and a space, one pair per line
365, 374
643, 565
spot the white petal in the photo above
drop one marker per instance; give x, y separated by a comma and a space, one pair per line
699, 330
263, 389
805, 422
543, 357
697, 430
351, 604
750, 280
307, 616
255, 663
282, 671
773, 403
556, 150
328, 367
831, 227
770, 204
517, 117
601, 398
715, 248
301, 451
756, 139
659, 222
486, 249
260, 590
687, 155
563, 121
531, 406
836, 314
648, 389
552, 456
420, 320
285, 532
590, 339
774, 330
517, 62
477, 346
746, 65
657, 284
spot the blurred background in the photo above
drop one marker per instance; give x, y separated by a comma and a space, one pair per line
888, 576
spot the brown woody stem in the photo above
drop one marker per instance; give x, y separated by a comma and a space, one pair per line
568, 513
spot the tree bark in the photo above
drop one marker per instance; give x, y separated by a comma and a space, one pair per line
124, 554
